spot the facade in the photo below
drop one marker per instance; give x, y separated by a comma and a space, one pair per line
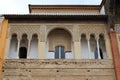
61, 42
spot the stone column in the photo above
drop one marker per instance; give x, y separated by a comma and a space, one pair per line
28, 50
88, 42
97, 40
89, 49
7, 49
18, 46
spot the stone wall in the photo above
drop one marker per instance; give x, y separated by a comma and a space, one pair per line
58, 69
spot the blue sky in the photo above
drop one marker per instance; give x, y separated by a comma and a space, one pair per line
21, 6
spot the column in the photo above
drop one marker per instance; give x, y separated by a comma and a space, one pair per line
42, 50
18, 46
98, 48
77, 50
89, 49
28, 50
7, 49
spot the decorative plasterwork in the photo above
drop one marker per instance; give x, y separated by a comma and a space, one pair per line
69, 28
42, 30
95, 29
21, 29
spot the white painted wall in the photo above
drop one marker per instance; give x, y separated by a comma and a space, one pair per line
13, 49
33, 54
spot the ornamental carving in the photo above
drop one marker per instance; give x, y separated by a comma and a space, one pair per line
92, 29
95, 29
21, 29
49, 28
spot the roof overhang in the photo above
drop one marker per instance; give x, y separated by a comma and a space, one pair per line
55, 18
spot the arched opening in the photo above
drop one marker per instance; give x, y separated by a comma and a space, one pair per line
103, 53
56, 39
23, 52
93, 47
23, 46
13, 46
34, 47
84, 47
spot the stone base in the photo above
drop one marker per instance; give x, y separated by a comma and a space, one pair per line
27, 69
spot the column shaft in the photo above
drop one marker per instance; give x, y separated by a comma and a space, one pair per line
28, 52
98, 49
18, 46
89, 49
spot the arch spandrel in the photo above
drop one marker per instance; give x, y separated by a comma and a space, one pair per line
68, 28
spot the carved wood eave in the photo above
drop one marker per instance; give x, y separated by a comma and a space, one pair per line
54, 18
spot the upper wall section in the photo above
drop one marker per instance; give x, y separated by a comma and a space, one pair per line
66, 9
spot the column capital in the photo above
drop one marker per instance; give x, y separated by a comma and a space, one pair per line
88, 37
97, 36
29, 37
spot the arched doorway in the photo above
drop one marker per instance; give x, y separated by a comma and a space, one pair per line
59, 40
23, 52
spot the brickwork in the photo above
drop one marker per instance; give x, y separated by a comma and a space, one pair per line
115, 51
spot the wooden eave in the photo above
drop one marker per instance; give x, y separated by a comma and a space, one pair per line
54, 18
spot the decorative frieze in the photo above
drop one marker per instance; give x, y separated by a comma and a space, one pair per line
21, 29
92, 28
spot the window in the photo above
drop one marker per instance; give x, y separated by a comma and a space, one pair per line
59, 52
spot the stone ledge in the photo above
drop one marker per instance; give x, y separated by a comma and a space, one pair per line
57, 63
